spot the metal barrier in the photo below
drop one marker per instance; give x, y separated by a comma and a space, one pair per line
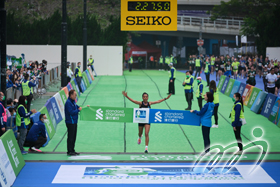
43, 83
207, 22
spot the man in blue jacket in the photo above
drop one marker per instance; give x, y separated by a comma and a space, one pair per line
37, 135
71, 119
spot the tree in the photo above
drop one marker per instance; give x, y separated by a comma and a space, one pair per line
261, 19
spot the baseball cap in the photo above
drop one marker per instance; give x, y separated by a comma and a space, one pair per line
171, 64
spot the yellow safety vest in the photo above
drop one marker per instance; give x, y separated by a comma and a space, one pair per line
198, 91
160, 60
206, 68
79, 72
188, 87
18, 118
216, 97
174, 75
197, 63
130, 60
26, 89
233, 112
90, 61
212, 60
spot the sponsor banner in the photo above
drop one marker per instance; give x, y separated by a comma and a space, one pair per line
268, 104
90, 73
253, 97
246, 92
63, 96
257, 106
229, 87
274, 116
225, 85
88, 76
69, 86
221, 82
160, 174
7, 174
83, 86
14, 154
60, 104
54, 112
248, 95
107, 114
48, 123
235, 88
141, 115
65, 91
75, 86
85, 78
35, 117
241, 88
173, 117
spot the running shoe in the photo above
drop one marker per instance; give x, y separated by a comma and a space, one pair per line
215, 126
30, 150
24, 152
146, 150
238, 153
37, 150
139, 141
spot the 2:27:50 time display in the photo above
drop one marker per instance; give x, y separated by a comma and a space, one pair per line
149, 6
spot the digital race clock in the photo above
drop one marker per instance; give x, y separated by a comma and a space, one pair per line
149, 15
149, 6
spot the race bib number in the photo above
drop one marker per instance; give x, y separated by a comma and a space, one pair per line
260, 64
222, 66
235, 67
228, 68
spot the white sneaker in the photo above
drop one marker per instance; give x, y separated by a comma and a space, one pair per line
215, 126
238, 153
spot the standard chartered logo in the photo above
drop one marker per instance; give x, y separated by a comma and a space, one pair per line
99, 114
158, 117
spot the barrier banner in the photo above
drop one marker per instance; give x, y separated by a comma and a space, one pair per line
54, 112
48, 123
63, 96
248, 94
7, 173
174, 117
69, 87
229, 87
268, 104
274, 116
85, 78
253, 97
15, 158
241, 88
75, 86
246, 91
83, 86
235, 88
107, 114
35, 117
90, 73
257, 106
65, 91
221, 82
225, 85
88, 76
60, 104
